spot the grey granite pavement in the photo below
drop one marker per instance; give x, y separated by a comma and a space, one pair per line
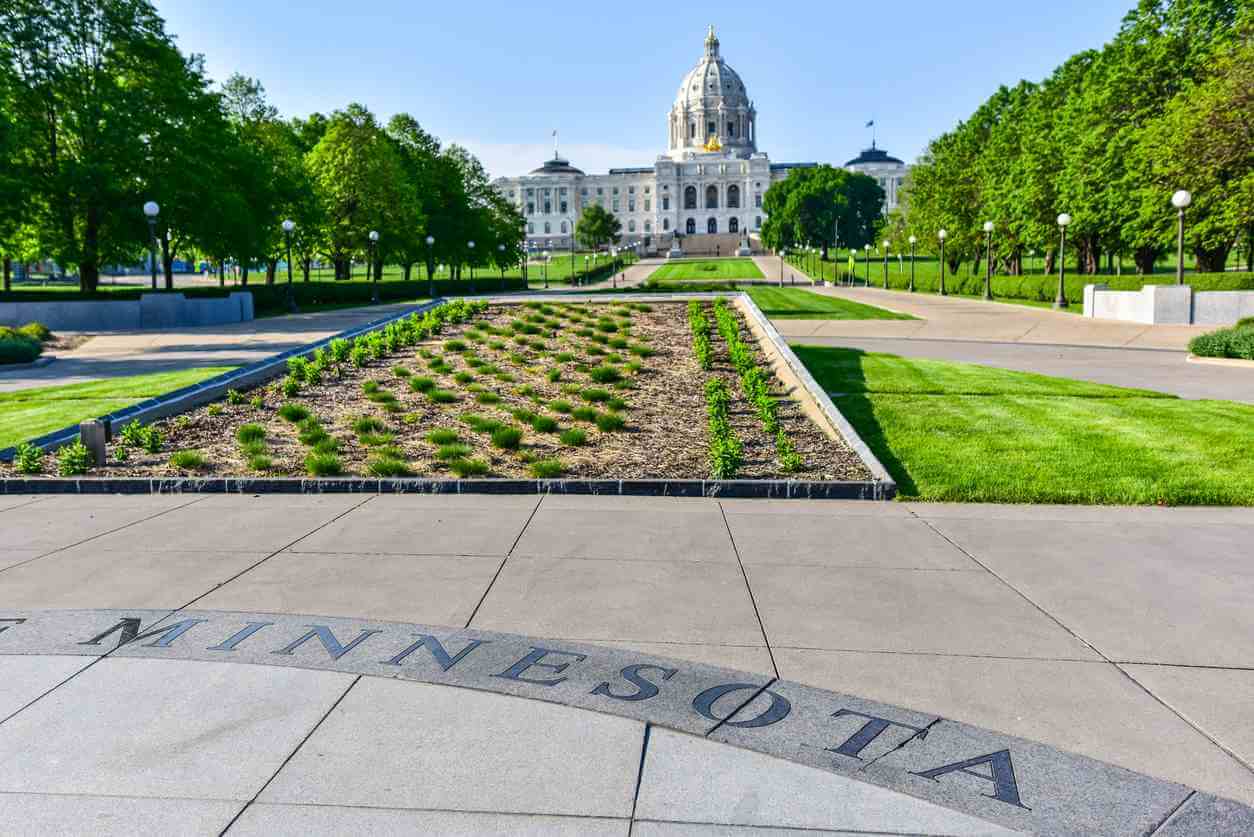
1121, 635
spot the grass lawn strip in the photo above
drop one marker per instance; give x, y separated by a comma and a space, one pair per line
959, 432
29, 413
797, 304
706, 269
590, 390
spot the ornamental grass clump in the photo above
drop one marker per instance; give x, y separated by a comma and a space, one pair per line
323, 465
453, 452
610, 422
547, 469
595, 395
387, 466
468, 467
421, 383
442, 436
249, 433
587, 414
574, 437
545, 424
441, 396
293, 412
187, 460
507, 438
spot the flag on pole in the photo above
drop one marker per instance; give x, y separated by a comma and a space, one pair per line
871, 124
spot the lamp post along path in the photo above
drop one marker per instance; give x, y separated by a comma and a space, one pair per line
941, 236
371, 273
886, 245
151, 211
288, 226
1060, 301
988, 274
913, 241
1180, 200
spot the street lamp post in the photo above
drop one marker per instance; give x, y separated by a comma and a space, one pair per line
430, 268
548, 257
470, 246
1180, 200
913, 241
783, 251
866, 260
288, 226
500, 249
941, 236
988, 275
370, 267
885, 265
151, 210
1060, 301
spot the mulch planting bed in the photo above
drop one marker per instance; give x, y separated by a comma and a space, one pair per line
585, 390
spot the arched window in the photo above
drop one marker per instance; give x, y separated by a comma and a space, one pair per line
631, 226
731, 129
757, 223
690, 197
733, 197
692, 130
733, 225
711, 197
666, 224
548, 228
563, 228
711, 226
692, 226
648, 226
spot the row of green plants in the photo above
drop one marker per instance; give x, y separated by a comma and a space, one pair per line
700, 326
23, 344
726, 452
74, 459
756, 387
1234, 342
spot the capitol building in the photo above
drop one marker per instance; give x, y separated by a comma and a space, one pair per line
704, 195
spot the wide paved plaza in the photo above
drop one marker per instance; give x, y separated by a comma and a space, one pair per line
1119, 634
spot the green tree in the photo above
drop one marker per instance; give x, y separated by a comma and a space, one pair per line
816, 205
597, 227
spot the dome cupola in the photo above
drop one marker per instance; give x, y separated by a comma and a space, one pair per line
712, 112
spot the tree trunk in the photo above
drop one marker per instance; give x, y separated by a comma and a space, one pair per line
304, 268
167, 263
8, 274
342, 269
243, 273
89, 263
1213, 259
272, 266
1049, 262
1144, 259
221, 273
405, 270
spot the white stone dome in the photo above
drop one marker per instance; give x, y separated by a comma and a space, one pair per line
712, 111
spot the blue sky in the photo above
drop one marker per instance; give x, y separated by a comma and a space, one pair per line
498, 77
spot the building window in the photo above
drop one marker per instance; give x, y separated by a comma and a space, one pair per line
531, 209
646, 204
690, 197
692, 130
710, 129
562, 191
757, 223
711, 197
631, 204
711, 226
548, 228
547, 192
646, 190
731, 129
615, 204
631, 226
666, 202
615, 190
648, 226
692, 226
733, 225
757, 201
600, 191
733, 197
531, 229
548, 207
511, 194
631, 190
584, 191
531, 193
666, 224
563, 228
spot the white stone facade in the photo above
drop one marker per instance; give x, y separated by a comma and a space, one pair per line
711, 180
888, 171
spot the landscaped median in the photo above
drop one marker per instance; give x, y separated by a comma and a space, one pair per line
604, 395
965, 433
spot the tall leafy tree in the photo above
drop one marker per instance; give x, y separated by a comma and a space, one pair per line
597, 227
816, 205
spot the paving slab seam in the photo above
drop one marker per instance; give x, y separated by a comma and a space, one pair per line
1061, 792
1123, 671
292, 754
749, 587
504, 559
899, 652
635, 795
1167, 817
793, 829
102, 534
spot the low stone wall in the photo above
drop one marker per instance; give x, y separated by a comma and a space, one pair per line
1168, 305
149, 311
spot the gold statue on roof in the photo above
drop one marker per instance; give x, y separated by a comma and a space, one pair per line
712, 144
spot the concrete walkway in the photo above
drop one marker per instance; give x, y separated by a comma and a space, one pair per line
1123, 635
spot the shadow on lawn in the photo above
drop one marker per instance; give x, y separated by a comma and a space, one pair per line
840, 370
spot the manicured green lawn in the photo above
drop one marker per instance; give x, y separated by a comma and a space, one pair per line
707, 269
965, 433
34, 412
798, 304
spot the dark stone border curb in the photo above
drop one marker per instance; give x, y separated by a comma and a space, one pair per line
882, 487
1014, 782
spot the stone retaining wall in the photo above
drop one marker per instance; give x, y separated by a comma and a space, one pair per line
1168, 305
149, 311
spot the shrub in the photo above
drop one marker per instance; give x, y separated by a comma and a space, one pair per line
573, 437
214, 410
584, 414
291, 386
488, 398
420, 383
507, 438
387, 466
463, 377
560, 406
619, 342
401, 372
187, 460
257, 402
442, 436
323, 465
340, 349
545, 424
790, 461
234, 397
455, 346
368, 424
260, 462
153, 440
594, 395
36, 331
28, 459
468, 467
19, 349
121, 454
564, 357
247, 433
725, 454
553, 375
73, 459
545, 469
610, 422
374, 440
616, 404
251, 448
442, 396
452, 452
